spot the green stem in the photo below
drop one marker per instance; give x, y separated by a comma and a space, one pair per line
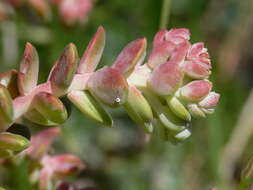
164, 20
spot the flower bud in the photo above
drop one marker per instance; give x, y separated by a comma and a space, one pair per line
9, 80
196, 90
166, 78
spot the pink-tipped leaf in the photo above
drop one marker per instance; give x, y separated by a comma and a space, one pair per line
210, 101
93, 52
50, 107
29, 70
131, 55
63, 72
109, 86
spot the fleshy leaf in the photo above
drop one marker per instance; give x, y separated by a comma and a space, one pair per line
6, 108
131, 55
13, 142
93, 52
178, 108
9, 79
166, 78
90, 107
5, 153
139, 109
63, 72
50, 107
196, 90
109, 86
29, 70
196, 111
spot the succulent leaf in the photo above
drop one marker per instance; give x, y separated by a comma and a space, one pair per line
29, 70
93, 53
90, 107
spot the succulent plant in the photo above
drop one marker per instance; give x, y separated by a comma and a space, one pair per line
164, 93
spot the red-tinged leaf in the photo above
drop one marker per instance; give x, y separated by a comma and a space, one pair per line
166, 78
131, 55
210, 101
63, 72
198, 54
161, 50
41, 143
109, 86
50, 107
93, 52
6, 108
196, 90
9, 80
63, 164
29, 70
195, 70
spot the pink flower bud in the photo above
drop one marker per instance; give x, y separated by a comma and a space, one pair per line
210, 101
196, 90
41, 142
166, 78
195, 70
198, 54
73, 11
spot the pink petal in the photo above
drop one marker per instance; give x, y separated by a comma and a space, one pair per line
178, 35
196, 90
195, 70
179, 53
166, 78
109, 86
210, 101
130, 55
93, 52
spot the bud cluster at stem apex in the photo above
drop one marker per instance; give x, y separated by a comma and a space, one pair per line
164, 93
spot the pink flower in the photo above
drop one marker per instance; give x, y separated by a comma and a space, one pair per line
73, 11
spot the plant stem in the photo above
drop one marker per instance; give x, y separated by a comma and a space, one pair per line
164, 19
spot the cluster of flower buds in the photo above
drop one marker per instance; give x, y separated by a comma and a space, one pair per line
45, 169
70, 11
164, 93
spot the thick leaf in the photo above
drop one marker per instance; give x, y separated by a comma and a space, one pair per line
196, 111
93, 52
166, 78
6, 108
109, 86
13, 142
131, 55
90, 107
63, 72
196, 90
9, 79
139, 109
178, 108
50, 107
29, 70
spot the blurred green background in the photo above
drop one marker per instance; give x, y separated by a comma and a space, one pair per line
123, 157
